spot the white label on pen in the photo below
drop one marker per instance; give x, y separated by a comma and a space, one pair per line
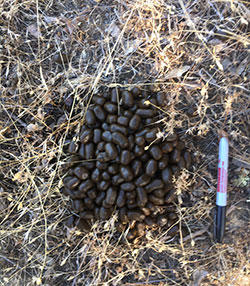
221, 197
222, 179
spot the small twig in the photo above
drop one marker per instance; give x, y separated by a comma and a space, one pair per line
13, 116
240, 163
19, 120
193, 235
13, 263
8, 260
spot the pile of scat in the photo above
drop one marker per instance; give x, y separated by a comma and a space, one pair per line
122, 161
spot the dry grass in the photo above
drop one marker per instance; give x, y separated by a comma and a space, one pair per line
53, 55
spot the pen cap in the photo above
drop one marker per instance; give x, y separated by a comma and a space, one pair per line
223, 153
221, 196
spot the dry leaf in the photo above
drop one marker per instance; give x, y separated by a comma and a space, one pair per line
20, 206
241, 67
132, 46
141, 274
177, 72
21, 177
198, 276
64, 261
50, 20
33, 127
115, 32
40, 113
243, 21
38, 281
219, 65
204, 90
70, 24
33, 30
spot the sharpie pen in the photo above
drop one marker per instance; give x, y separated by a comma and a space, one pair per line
221, 195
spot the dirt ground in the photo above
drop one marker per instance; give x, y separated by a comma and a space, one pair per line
54, 55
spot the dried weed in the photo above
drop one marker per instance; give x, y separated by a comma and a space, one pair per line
53, 55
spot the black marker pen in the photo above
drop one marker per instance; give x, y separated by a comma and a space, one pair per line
221, 195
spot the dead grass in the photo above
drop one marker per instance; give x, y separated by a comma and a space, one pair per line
53, 55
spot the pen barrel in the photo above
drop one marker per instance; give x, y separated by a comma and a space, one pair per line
221, 195
220, 223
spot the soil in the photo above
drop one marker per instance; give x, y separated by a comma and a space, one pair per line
53, 57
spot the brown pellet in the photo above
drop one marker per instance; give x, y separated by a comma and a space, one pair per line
128, 187
72, 183
155, 152
119, 128
155, 200
135, 215
144, 113
111, 195
187, 158
167, 147
121, 199
136, 91
140, 228
73, 147
154, 185
83, 225
143, 180
142, 197
125, 157
111, 107
170, 196
89, 151
171, 137
104, 213
123, 120
89, 203
100, 113
78, 205
81, 173
87, 214
162, 220
117, 179
111, 151
97, 135
135, 122
120, 139
136, 167
90, 118
151, 167
163, 162
92, 193
175, 156
86, 185
166, 175
126, 173
128, 98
